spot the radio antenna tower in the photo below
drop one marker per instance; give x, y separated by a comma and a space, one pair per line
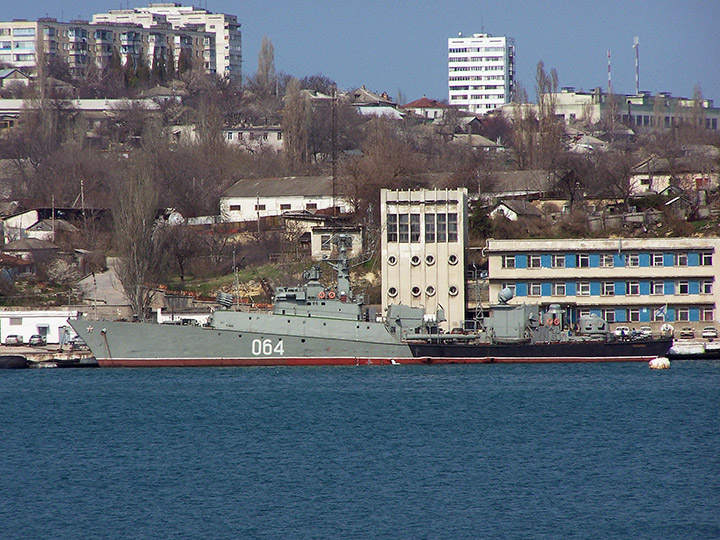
636, 46
609, 75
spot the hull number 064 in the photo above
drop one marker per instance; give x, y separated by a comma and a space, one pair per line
265, 347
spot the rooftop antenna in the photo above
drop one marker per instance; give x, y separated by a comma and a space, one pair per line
636, 46
609, 74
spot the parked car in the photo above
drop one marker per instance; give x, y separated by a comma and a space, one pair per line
13, 339
709, 332
622, 332
645, 332
36, 340
687, 333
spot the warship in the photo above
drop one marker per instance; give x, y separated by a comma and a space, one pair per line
313, 324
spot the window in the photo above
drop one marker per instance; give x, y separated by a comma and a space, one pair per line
429, 228
534, 261
583, 260
606, 260
535, 289
583, 288
259, 207
681, 259
392, 228
230, 135
657, 287
633, 259
235, 208
633, 288
414, 227
558, 289
452, 227
683, 287
279, 136
583, 312
285, 207
682, 314
311, 206
15, 321
404, 228
656, 259
707, 314
706, 286
608, 288
609, 315
508, 261
558, 261
441, 227
325, 244
634, 314
706, 258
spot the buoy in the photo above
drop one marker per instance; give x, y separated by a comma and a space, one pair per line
659, 363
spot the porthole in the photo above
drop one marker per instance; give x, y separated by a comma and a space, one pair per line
392, 260
430, 290
392, 291
415, 260
453, 290
453, 259
429, 260
415, 291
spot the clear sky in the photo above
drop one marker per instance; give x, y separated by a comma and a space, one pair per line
401, 45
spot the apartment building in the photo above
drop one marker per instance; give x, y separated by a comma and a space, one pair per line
223, 53
623, 280
481, 72
80, 43
423, 256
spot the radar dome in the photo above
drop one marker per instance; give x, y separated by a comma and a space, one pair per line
505, 294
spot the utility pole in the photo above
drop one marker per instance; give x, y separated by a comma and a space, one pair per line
333, 112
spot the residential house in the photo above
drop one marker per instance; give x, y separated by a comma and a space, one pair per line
371, 104
13, 77
425, 107
516, 209
254, 139
690, 173
251, 199
31, 249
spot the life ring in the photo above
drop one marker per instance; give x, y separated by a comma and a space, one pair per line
549, 321
556, 322
321, 295
331, 295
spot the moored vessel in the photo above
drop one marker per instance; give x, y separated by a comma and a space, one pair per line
316, 325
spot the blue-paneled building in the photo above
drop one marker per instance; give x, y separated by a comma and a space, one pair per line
624, 280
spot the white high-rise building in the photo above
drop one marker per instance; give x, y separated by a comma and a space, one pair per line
223, 57
481, 72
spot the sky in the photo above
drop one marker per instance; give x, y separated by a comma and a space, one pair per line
400, 46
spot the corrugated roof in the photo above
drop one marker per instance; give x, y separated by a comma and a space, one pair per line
424, 103
309, 186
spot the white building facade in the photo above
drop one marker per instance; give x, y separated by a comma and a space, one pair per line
423, 256
51, 324
481, 72
624, 280
252, 199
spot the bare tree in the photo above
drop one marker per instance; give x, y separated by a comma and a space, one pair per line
295, 125
140, 263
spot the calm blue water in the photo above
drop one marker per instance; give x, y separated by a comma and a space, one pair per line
489, 451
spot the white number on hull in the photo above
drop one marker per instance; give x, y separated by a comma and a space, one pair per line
265, 347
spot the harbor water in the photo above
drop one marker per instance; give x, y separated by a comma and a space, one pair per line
484, 451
